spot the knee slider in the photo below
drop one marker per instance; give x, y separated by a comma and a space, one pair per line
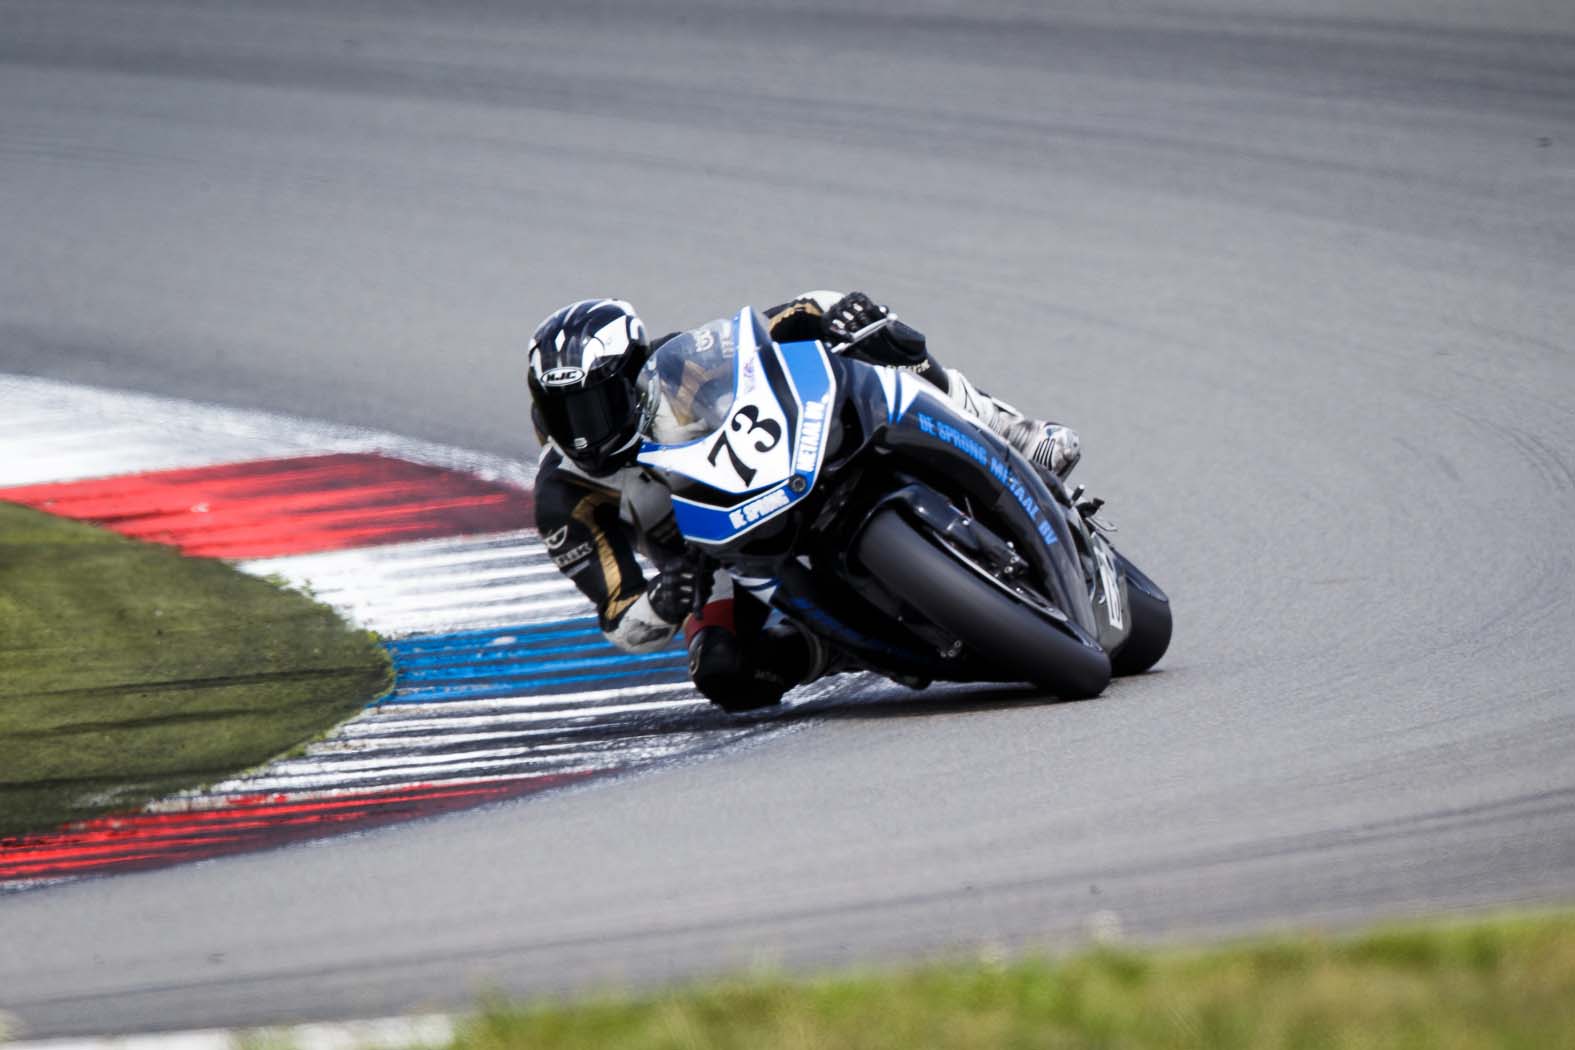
719, 669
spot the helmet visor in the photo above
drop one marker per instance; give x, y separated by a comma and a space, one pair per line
587, 422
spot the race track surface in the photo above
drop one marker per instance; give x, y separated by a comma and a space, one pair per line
1302, 275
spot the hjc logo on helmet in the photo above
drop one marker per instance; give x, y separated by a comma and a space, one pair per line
562, 376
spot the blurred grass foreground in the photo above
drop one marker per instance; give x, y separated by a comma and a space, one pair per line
1500, 983
128, 672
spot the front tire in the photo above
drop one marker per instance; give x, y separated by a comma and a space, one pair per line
1151, 624
1006, 633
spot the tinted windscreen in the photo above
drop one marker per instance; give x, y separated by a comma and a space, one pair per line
688, 384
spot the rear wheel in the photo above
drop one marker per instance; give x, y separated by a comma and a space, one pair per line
1002, 630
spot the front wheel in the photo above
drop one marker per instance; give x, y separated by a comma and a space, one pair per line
1151, 624
1004, 631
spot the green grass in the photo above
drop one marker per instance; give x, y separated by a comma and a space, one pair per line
128, 671
1501, 983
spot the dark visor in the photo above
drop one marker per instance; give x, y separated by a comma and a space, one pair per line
591, 414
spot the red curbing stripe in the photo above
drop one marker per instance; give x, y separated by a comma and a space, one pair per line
138, 841
113, 832
301, 505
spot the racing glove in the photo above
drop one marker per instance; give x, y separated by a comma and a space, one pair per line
850, 315
676, 592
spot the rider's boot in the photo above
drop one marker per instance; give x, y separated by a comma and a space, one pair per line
1049, 446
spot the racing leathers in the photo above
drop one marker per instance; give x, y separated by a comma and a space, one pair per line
592, 527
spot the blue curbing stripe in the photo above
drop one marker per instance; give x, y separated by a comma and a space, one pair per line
524, 661
472, 656
441, 694
585, 627
531, 668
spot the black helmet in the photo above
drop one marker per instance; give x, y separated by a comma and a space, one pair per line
583, 363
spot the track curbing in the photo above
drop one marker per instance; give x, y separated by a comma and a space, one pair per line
503, 687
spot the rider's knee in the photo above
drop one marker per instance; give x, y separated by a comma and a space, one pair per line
722, 671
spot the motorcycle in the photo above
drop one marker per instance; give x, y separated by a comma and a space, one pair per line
854, 499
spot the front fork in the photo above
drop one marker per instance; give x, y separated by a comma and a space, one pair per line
1105, 580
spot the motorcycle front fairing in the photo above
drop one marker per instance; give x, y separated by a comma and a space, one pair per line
738, 428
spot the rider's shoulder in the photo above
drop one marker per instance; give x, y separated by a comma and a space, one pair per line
555, 471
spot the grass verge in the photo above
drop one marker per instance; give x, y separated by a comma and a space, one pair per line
1500, 983
128, 671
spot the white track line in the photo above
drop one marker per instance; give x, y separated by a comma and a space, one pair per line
393, 1033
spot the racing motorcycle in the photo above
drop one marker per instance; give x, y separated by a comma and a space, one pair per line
856, 501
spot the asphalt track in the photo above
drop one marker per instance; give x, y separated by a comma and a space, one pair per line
1302, 273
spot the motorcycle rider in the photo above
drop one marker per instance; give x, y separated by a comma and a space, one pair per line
595, 507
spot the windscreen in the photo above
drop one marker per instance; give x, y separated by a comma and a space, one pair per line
686, 388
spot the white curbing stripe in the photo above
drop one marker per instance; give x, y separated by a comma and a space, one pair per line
430, 586
56, 431
389, 1033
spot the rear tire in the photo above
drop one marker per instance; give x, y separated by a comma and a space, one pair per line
1150, 635
1005, 632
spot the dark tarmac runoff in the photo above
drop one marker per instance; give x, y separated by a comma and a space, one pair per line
1300, 272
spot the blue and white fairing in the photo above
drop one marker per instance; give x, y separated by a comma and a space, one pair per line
737, 425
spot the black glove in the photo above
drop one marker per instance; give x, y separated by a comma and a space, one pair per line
850, 315
676, 592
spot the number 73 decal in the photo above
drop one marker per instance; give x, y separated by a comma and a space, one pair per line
746, 424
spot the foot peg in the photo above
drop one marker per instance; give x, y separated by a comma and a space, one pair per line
1089, 509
